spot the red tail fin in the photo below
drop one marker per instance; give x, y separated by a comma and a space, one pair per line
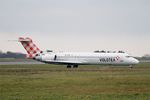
29, 46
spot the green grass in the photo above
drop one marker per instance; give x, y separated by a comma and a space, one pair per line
56, 82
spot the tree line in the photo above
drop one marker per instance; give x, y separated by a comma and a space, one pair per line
10, 54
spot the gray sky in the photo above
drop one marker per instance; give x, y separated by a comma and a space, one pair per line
77, 25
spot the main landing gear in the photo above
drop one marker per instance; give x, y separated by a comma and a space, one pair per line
70, 66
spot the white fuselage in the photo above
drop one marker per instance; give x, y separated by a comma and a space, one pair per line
81, 58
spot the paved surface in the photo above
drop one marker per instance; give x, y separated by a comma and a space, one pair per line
16, 63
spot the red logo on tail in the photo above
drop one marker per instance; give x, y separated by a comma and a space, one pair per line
29, 46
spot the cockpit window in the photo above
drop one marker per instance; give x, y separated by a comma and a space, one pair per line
128, 56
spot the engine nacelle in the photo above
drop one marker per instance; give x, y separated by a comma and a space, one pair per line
49, 57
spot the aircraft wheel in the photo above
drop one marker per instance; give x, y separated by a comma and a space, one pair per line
68, 66
75, 66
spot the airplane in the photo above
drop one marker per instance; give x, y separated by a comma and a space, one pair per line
74, 59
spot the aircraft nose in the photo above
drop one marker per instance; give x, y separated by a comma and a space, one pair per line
135, 61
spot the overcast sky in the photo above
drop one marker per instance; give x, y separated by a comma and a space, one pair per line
77, 25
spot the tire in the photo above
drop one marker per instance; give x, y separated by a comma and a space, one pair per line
68, 66
75, 66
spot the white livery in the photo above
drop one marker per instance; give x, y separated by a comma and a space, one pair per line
73, 59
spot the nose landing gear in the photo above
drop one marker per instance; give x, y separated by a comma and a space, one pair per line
130, 66
74, 66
